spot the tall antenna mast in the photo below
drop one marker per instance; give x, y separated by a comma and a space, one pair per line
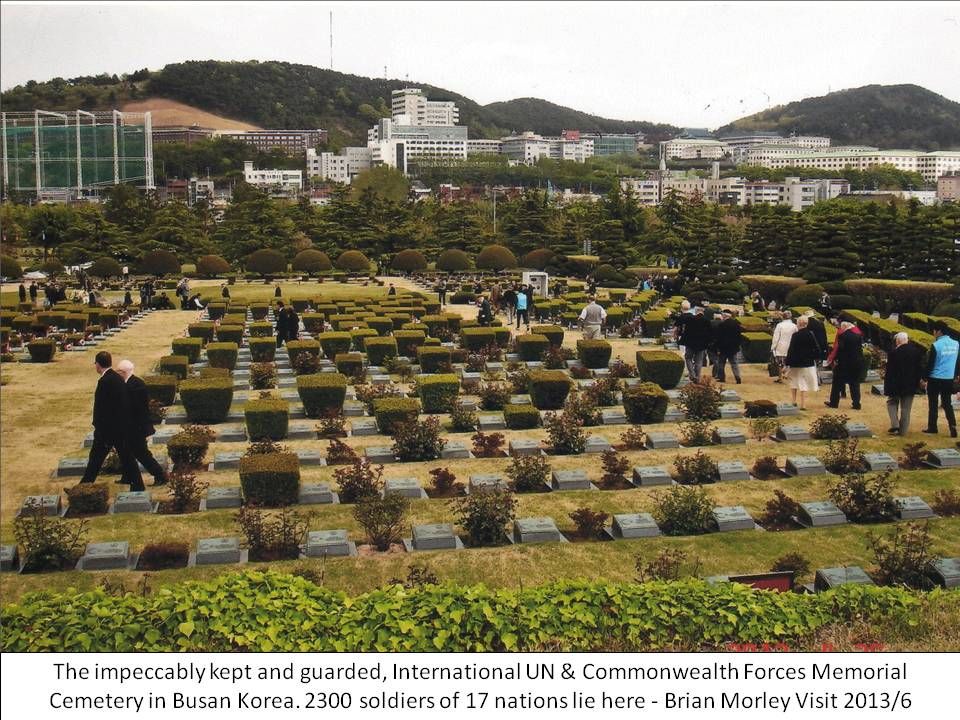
331, 39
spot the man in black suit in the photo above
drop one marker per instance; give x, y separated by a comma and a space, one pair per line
901, 381
288, 324
140, 427
111, 416
728, 338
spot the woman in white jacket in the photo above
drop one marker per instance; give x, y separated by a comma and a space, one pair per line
782, 334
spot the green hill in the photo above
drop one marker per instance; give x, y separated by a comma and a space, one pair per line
887, 116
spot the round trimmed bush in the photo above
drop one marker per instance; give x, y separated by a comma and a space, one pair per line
52, 266
538, 259
409, 261
105, 267
496, 257
311, 261
266, 262
212, 265
453, 261
42, 350
805, 295
159, 262
10, 267
353, 261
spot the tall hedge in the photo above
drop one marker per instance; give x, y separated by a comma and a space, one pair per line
496, 257
10, 267
160, 262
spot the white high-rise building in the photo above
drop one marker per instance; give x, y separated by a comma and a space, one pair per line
409, 106
338, 168
285, 180
394, 145
529, 147
693, 149
931, 165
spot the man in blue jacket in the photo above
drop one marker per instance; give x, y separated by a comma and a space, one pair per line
943, 366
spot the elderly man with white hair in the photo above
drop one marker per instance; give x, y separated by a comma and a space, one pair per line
140, 425
901, 381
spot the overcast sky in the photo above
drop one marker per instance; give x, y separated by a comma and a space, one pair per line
691, 64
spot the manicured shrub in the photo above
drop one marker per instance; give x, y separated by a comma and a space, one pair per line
696, 469
538, 259
663, 367
417, 441
565, 433
312, 322
380, 349
262, 350
477, 338
159, 262
829, 427
10, 267
263, 375
267, 418
865, 498
88, 499
105, 267
311, 261
272, 536
520, 417
261, 329
434, 359
553, 333
549, 389
409, 261
42, 350
645, 403
266, 262
358, 480
590, 524
222, 355
532, 347
443, 482
230, 334
175, 365
353, 261
322, 393
408, 341
594, 353
298, 348
334, 343
358, 336
259, 311
683, 510
391, 411
161, 388
529, 473
165, 555
615, 469
212, 265
438, 392
843, 457
496, 257
436, 325
206, 400
350, 364
453, 261
756, 347
382, 518
271, 479
759, 409
617, 317
188, 448
188, 346
487, 445
700, 401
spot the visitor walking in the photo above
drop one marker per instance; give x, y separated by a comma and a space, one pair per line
140, 425
510, 302
943, 367
728, 340
522, 312
484, 314
22, 293
696, 338
819, 332
288, 324
392, 291
901, 381
442, 292
781, 341
801, 361
847, 361
592, 318
111, 417
33, 293
225, 292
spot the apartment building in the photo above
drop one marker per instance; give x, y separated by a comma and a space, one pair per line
646, 191
948, 187
692, 149
291, 142
529, 147
930, 165
410, 106
286, 181
484, 147
338, 168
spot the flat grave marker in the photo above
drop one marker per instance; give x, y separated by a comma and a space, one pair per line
945, 572
730, 411
491, 421
316, 494
380, 454
636, 525
436, 536
877, 462
536, 530
571, 480
50, 505
596, 444
301, 430
308, 456
132, 502
218, 498
232, 433
8, 558
829, 578
648, 475
661, 440
333, 543
729, 436
455, 450
673, 414
106, 556
219, 551
227, 460
792, 433
363, 426
821, 513
943, 458
858, 430
353, 408
730, 396
731, 470
732, 518
913, 508
613, 416
785, 409
408, 487
487, 481
524, 446
802, 465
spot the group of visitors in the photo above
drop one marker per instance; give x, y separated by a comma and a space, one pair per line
514, 300
122, 422
707, 335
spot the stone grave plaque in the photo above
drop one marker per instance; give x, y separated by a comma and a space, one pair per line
408, 487
163, 434
730, 411
175, 416
297, 412
486, 482
379, 379
826, 377
877, 462
828, 578
631, 382
315, 494
913, 508
648, 341
732, 518
511, 357
729, 436
310, 457
536, 530
455, 450
363, 426
376, 370
8, 558
639, 525
601, 372
785, 409
729, 396
105, 556
662, 440
647, 475
943, 458
329, 542
733, 470
71, 467
571, 480
493, 421
792, 433
353, 408
534, 364
520, 400
380, 454
821, 513
872, 376
48, 504
596, 444
469, 402
671, 345
804, 465
88, 441
945, 572
574, 364
301, 430
289, 395
673, 414
221, 497
524, 446
133, 501
858, 430
229, 460
494, 366
218, 551
585, 383
876, 390
438, 536
232, 433
241, 395
468, 376
613, 416
673, 394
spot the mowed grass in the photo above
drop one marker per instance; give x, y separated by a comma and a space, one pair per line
46, 414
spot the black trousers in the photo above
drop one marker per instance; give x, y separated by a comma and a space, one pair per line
98, 453
141, 453
442, 296
940, 390
523, 314
841, 379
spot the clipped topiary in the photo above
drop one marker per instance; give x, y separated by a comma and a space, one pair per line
391, 411
538, 259
322, 393
496, 257
212, 265
353, 261
311, 261
222, 355
266, 262
594, 353
409, 261
438, 392
271, 479
663, 367
267, 418
159, 262
207, 400
453, 261
645, 403
549, 389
